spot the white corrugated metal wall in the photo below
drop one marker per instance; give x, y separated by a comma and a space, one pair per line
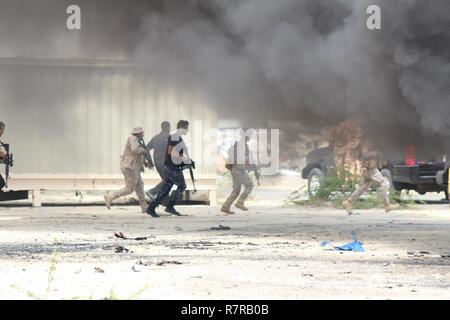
75, 119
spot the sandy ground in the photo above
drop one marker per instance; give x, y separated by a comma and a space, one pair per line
271, 252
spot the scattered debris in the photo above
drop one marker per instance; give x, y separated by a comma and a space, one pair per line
140, 238
197, 245
134, 269
120, 235
120, 249
161, 263
220, 227
142, 263
99, 270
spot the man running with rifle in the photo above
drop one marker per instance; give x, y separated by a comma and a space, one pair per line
176, 159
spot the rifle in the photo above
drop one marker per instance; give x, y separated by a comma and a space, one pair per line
191, 167
148, 162
8, 161
255, 169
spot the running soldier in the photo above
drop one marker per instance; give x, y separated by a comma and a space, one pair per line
239, 175
132, 164
370, 175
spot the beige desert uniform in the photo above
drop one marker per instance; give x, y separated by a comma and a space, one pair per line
346, 140
371, 175
240, 177
132, 164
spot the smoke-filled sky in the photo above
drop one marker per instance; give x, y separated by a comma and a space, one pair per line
308, 60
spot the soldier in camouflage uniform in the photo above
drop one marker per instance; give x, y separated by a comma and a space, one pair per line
132, 164
370, 175
345, 141
239, 175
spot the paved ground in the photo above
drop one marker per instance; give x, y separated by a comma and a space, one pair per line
272, 252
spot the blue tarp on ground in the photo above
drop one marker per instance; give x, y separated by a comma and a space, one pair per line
354, 246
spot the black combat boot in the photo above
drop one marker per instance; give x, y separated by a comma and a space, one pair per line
170, 209
151, 210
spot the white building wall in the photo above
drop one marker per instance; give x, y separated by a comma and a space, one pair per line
74, 120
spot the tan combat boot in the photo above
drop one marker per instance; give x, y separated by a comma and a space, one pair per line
144, 206
226, 210
347, 206
108, 200
391, 207
241, 206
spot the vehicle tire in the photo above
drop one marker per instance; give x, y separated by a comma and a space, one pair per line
315, 179
387, 174
398, 186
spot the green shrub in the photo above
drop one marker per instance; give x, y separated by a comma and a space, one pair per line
337, 186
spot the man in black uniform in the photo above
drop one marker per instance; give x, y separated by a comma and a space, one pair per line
176, 155
159, 145
2, 154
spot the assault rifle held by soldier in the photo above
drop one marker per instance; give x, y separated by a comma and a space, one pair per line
191, 167
254, 168
148, 162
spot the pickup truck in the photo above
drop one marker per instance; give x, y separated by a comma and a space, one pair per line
421, 176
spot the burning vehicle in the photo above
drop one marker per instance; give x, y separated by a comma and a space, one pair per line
418, 170
420, 176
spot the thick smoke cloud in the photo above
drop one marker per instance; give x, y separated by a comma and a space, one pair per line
309, 60
313, 60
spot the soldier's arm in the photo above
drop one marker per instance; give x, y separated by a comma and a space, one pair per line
151, 144
171, 151
136, 147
